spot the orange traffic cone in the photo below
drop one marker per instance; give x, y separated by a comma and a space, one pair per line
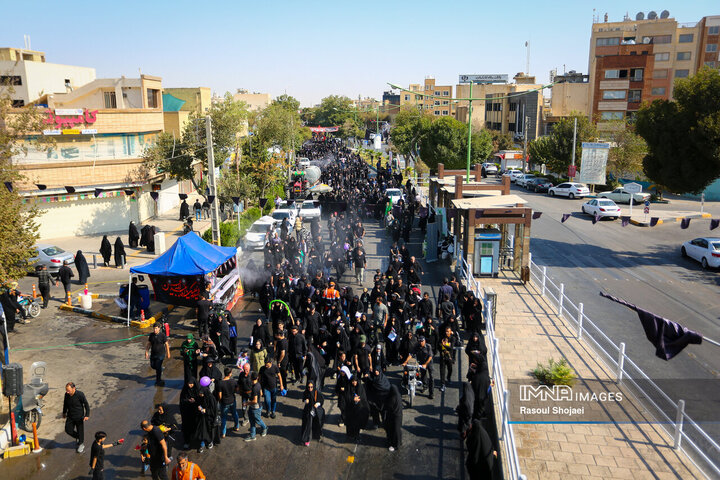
69, 299
142, 315
34, 292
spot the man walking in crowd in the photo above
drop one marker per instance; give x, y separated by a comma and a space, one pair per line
76, 412
44, 283
159, 459
157, 349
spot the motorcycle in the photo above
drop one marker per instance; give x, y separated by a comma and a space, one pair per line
446, 248
30, 403
30, 306
411, 372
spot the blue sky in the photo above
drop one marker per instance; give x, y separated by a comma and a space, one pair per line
312, 49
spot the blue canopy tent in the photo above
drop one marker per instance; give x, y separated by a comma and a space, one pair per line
179, 275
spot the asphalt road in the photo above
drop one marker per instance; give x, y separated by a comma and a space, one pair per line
643, 266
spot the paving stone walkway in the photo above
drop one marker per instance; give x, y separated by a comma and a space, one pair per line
530, 331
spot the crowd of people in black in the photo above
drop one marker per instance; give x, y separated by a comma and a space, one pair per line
321, 325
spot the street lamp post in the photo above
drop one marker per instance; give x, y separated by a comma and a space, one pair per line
469, 148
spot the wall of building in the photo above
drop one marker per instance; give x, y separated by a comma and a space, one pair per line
175, 122
39, 78
569, 97
255, 101
196, 99
86, 217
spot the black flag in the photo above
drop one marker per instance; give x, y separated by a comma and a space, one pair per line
668, 337
98, 191
714, 223
263, 202
236, 200
182, 196
211, 199
595, 219
9, 186
536, 215
685, 223
565, 217
129, 192
625, 221
154, 195
41, 186
479, 213
70, 189
654, 221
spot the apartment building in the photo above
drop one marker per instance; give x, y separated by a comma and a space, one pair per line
512, 108
570, 94
30, 76
637, 60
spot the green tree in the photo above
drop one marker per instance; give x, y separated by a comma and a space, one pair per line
562, 141
333, 111
542, 150
683, 136
18, 225
279, 125
445, 141
177, 157
408, 129
628, 150
501, 141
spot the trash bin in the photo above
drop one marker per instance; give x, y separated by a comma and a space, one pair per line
486, 257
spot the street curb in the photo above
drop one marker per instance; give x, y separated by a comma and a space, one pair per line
115, 319
644, 224
698, 215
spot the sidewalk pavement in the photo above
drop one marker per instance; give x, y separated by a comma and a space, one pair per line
530, 331
665, 216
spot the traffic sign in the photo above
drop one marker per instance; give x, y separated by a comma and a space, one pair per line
632, 187
646, 209
647, 203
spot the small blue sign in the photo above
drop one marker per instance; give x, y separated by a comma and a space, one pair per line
647, 203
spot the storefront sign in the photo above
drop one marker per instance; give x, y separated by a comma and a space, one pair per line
69, 111
88, 131
52, 132
69, 121
324, 129
71, 131
486, 78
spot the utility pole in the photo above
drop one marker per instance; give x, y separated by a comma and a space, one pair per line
212, 184
469, 148
527, 128
574, 139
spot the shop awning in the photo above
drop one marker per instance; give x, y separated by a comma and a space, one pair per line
190, 255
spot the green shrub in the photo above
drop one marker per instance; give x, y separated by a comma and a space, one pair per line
554, 373
228, 234
252, 212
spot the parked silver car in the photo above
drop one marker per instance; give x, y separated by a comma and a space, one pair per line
51, 256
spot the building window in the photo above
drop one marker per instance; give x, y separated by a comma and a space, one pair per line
686, 38
513, 107
152, 98
407, 98
18, 103
682, 73
713, 30
636, 74
613, 95
437, 102
662, 57
710, 64
660, 73
607, 42
511, 127
616, 73
418, 97
445, 112
446, 102
488, 106
446, 93
634, 95
437, 112
711, 47
683, 56
110, 100
662, 39
658, 91
611, 115
14, 80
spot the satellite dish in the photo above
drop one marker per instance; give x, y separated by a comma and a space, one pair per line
640, 16
664, 14
652, 15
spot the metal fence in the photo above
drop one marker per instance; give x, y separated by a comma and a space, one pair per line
687, 435
500, 391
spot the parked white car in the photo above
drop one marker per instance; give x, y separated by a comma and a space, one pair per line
522, 180
570, 190
309, 210
490, 168
279, 214
602, 208
705, 250
513, 174
255, 235
619, 195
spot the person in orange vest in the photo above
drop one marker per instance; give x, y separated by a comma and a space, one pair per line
186, 470
330, 295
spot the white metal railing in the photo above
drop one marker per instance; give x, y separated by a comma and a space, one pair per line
500, 392
687, 435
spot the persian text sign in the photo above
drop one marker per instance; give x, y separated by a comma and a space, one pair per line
593, 163
69, 121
